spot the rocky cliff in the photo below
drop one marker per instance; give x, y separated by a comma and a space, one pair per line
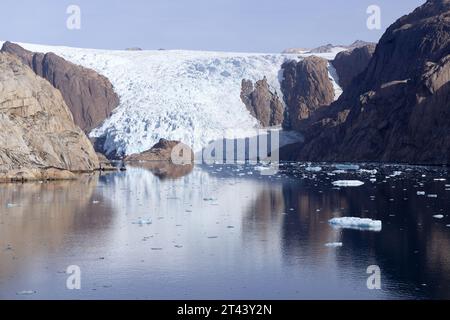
90, 96
398, 109
263, 104
306, 88
38, 138
350, 64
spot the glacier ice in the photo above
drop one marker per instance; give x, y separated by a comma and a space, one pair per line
348, 183
190, 96
356, 223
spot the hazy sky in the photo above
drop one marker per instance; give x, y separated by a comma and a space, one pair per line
226, 25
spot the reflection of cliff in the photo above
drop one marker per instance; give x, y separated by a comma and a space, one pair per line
165, 169
46, 213
412, 250
265, 213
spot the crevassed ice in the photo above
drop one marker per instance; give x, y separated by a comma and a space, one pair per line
191, 96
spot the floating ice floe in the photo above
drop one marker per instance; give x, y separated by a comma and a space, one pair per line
348, 183
438, 216
334, 245
26, 293
313, 169
421, 193
396, 174
143, 222
357, 223
440, 179
432, 196
347, 167
371, 172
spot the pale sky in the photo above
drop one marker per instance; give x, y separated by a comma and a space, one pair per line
223, 25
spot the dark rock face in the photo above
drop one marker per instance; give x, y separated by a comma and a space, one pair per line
89, 96
398, 109
349, 64
306, 88
262, 103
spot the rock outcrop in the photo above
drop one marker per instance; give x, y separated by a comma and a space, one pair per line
350, 64
38, 138
165, 150
398, 109
262, 103
89, 96
306, 88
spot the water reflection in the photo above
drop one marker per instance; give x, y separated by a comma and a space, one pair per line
226, 232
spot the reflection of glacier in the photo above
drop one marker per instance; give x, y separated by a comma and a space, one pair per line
190, 96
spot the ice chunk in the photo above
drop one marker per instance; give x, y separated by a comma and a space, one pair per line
26, 293
432, 196
372, 172
356, 223
438, 216
334, 245
420, 193
347, 167
348, 183
143, 222
313, 169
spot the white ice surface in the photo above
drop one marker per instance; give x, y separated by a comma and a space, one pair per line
357, 223
348, 183
191, 96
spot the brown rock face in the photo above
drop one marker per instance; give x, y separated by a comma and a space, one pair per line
306, 88
262, 103
38, 137
90, 96
349, 64
399, 107
163, 151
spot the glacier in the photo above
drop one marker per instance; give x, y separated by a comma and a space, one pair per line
190, 96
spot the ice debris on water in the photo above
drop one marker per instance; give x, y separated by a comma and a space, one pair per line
143, 222
357, 223
334, 245
348, 183
347, 167
438, 216
313, 169
421, 193
26, 293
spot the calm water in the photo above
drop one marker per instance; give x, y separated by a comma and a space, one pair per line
226, 232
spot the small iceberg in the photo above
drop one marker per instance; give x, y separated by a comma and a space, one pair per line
421, 193
26, 293
347, 167
357, 223
438, 216
371, 172
348, 183
334, 245
313, 169
143, 222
